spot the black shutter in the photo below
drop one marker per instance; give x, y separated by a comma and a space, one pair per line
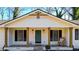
60, 33
51, 32
76, 34
15, 35
24, 35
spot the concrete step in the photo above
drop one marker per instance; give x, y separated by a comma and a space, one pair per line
38, 48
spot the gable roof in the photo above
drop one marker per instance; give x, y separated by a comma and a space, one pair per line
2, 21
33, 12
75, 21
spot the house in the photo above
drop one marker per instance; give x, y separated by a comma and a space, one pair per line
39, 28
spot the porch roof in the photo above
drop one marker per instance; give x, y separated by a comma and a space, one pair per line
42, 22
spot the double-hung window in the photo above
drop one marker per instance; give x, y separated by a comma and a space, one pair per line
76, 34
55, 35
20, 35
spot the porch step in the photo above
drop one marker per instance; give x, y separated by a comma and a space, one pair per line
38, 48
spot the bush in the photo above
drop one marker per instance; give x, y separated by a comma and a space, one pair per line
47, 47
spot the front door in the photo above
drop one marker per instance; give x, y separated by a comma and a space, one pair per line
38, 36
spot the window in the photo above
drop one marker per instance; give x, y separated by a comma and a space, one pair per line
76, 34
55, 35
20, 35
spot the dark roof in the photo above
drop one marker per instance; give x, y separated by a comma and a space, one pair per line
2, 21
42, 11
75, 21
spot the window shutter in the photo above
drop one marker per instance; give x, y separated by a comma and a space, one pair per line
51, 35
24, 35
60, 33
76, 34
15, 35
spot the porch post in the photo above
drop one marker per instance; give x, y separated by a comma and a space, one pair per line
6, 40
27, 37
48, 36
70, 41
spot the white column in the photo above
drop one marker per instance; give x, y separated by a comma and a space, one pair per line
73, 36
67, 37
10, 37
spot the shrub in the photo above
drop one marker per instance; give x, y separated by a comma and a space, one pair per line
47, 47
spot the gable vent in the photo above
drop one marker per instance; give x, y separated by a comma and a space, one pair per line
38, 15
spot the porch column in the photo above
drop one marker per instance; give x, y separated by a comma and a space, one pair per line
70, 41
48, 36
6, 40
27, 37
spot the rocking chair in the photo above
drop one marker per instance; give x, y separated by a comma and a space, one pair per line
61, 41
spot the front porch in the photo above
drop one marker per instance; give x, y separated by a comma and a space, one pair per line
31, 44
36, 48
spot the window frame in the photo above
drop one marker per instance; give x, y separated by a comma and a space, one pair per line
76, 34
24, 35
52, 37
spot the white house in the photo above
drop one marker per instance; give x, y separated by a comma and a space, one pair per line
39, 28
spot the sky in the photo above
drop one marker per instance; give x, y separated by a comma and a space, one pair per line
6, 13
24, 10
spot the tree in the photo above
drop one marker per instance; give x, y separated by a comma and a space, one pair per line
2, 12
49, 9
60, 11
75, 13
9, 13
57, 11
15, 12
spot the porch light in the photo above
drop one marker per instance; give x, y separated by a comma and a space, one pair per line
43, 30
32, 29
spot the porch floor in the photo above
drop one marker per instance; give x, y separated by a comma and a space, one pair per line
36, 48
